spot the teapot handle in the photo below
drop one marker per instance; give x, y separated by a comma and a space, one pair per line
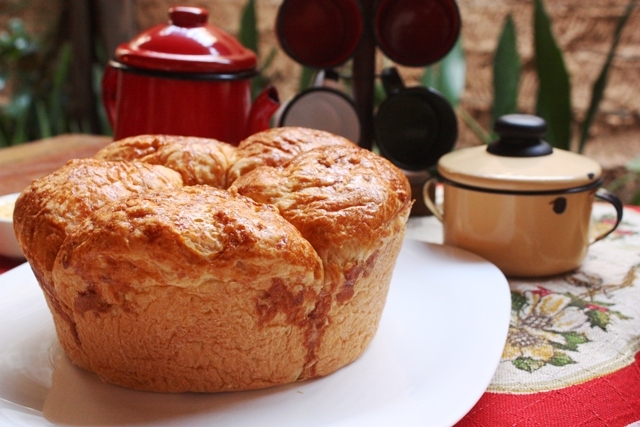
109, 91
428, 189
611, 198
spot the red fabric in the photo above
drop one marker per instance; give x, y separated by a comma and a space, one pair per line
610, 401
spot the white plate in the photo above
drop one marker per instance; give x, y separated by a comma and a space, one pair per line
8, 242
439, 343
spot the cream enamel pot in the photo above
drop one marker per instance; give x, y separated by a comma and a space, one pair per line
518, 202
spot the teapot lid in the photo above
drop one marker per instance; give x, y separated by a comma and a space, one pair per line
519, 161
187, 44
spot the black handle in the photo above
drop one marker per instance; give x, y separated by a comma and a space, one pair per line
609, 197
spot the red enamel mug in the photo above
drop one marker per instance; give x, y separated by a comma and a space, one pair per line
326, 33
185, 77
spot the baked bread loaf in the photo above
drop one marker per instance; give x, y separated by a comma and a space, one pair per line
279, 277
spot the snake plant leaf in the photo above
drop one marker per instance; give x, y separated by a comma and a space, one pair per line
597, 91
633, 165
507, 69
448, 76
249, 37
306, 78
554, 91
248, 34
57, 117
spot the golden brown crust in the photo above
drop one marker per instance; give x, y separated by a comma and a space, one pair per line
282, 277
52, 206
352, 206
278, 146
198, 160
199, 279
335, 195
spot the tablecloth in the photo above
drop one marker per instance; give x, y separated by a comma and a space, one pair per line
572, 353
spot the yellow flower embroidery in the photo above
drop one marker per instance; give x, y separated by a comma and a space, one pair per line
545, 324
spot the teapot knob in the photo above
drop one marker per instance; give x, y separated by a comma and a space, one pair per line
187, 16
520, 136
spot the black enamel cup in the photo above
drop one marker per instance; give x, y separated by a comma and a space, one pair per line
414, 126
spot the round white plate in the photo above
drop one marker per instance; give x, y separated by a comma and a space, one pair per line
437, 348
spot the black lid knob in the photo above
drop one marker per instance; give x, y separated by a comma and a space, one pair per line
520, 136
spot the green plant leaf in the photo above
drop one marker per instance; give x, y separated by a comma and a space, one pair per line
306, 77
554, 91
597, 91
507, 69
429, 76
453, 72
448, 76
56, 102
248, 34
21, 105
43, 119
484, 136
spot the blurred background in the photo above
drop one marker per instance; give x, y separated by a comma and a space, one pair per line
52, 53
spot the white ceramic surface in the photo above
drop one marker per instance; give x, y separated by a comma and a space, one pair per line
439, 343
8, 243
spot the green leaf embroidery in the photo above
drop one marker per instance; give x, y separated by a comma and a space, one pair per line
518, 301
598, 319
561, 359
572, 340
528, 364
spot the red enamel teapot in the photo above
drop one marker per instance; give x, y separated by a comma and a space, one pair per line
186, 77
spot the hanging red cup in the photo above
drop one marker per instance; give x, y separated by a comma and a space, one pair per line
416, 33
319, 33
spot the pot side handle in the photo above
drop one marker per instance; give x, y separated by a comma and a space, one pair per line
611, 198
427, 190
109, 90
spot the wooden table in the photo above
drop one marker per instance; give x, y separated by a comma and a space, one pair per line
22, 164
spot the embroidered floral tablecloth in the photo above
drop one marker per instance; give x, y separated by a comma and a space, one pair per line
572, 353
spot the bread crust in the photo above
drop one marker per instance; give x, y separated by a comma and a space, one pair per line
197, 160
50, 208
352, 206
278, 146
193, 289
282, 276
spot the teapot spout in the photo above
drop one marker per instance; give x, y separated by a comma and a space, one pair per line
263, 108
